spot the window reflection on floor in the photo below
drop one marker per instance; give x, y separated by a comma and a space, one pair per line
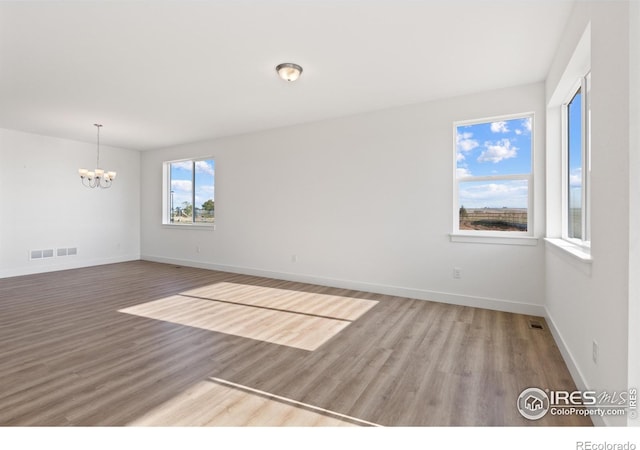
217, 402
299, 319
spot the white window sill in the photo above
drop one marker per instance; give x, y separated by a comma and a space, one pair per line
577, 252
190, 226
493, 239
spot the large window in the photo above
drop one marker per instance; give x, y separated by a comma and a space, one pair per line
493, 161
189, 192
576, 119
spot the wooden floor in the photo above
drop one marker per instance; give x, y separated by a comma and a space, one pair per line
142, 343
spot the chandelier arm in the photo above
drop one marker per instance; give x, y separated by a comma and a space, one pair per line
86, 182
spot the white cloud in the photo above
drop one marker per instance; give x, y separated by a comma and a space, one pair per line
459, 157
526, 127
512, 194
464, 142
575, 177
181, 185
186, 165
462, 172
495, 190
204, 167
201, 166
499, 127
496, 152
206, 189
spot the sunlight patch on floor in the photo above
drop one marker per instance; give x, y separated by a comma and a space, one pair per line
217, 402
285, 317
330, 306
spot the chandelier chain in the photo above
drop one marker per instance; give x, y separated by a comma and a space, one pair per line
98, 126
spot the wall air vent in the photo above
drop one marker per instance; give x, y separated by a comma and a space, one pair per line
71, 251
51, 253
41, 254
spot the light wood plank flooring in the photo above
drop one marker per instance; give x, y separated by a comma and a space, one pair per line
142, 343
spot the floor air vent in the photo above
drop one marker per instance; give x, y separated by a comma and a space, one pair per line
536, 325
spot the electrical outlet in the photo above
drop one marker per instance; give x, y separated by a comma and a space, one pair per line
457, 273
595, 352
198, 249
294, 258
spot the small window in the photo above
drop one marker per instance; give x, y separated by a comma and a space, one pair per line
494, 187
189, 192
576, 118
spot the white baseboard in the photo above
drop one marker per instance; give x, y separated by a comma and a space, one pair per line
71, 262
570, 361
420, 294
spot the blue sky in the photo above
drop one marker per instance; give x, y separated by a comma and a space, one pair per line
181, 182
492, 149
575, 151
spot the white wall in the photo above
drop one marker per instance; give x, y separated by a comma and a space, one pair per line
364, 202
587, 302
45, 206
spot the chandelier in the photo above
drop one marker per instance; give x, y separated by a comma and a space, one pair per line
97, 177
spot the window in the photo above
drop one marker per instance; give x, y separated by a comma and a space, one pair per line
493, 161
576, 153
189, 192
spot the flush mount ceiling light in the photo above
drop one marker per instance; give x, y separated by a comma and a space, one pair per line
289, 71
97, 177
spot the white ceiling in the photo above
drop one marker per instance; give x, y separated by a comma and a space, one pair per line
160, 73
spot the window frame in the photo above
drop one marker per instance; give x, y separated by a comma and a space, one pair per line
499, 235
167, 201
582, 84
